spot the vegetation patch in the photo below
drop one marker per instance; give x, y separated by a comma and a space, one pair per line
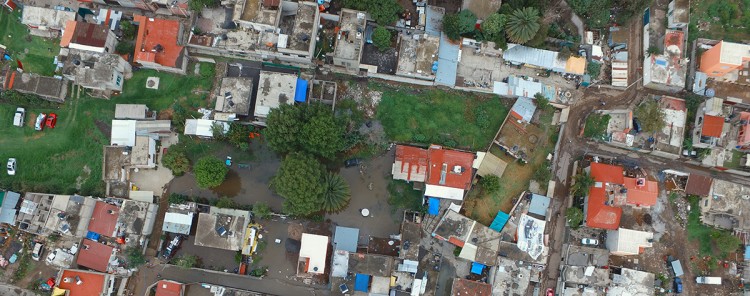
596, 126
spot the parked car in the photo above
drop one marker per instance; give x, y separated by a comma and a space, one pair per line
51, 120
708, 280
677, 285
74, 249
636, 125
173, 245
36, 254
550, 292
11, 166
352, 162
51, 256
19, 117
39, 125
589, 242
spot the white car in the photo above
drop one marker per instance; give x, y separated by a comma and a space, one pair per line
51, 256
74, 249
590, 241
36, 254
19, 117
12, 166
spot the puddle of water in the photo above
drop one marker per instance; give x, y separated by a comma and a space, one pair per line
231, 186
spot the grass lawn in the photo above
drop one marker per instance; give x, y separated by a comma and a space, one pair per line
736, 159
451, 118
68, 158
41, 51
733, 24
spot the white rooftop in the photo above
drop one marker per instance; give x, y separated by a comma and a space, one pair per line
313, 249
275, 89
628, 241
123, 133
733, 53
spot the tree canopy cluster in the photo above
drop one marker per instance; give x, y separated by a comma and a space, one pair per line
307, 188
384, 12
305, 128
651, 116
210, 172
515, 22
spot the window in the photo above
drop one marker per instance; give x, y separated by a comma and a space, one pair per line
118, 81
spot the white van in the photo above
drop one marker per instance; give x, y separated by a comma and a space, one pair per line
708, 280
36, 254
19, 117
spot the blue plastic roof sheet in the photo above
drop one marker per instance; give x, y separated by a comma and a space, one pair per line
500, 220
476, 268
433, 206
362, 282
300, 94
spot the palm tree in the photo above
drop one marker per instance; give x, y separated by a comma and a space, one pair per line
582, 184
522, 24
337, 194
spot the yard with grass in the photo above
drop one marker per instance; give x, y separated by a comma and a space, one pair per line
712, 241
37, 54
451, 118
68, 158
596, 126
720, 19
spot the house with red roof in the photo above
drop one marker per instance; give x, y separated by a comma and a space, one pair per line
104, 219
612, 190
710, 124
94, 255
169, 288
156, 45
447, 173
743, 136
89, 37
411, 164
73, 282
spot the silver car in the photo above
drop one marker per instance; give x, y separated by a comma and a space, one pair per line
11, 166
39, 125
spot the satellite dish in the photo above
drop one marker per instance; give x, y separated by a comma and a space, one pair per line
365, 212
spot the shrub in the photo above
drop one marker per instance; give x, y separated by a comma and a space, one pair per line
210, 172
490, 184
261, 210
176, 161
381, 38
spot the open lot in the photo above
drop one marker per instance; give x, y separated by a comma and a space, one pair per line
720, 20
37, 54
451, 118
67, 159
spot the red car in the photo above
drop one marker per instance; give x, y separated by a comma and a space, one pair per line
51, 120
550, 292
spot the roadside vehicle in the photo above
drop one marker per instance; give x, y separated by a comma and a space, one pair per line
73, 249
550, 292
39, 125
51, 120
589, 241
19, 116
677, 285
38, 249
11, 166
352, 162
708, 280
51, 256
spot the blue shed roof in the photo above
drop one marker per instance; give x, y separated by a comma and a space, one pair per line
300, 94
345, 238
434, 206
499, 222
476, 268
447, 62
539, 205
362, 282
8, 210
747, 252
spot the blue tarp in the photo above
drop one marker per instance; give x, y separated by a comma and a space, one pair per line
301, 94
747, 252
499, 222
433, 206
362, 282
476, 268
92, 236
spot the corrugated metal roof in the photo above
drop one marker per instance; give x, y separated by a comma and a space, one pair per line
539, 205
528, 55
8, 211
434, 24
447, 62
178, 223
123, 133
346, 239
525, 108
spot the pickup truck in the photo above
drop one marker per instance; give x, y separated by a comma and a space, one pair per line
708, 280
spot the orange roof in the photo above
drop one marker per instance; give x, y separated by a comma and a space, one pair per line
673, 103
712, 126
94, 255
91, 283
644, 195
606, 173
744, 135
600, 215
70, 28
157, 41
464, 287
168, 288
412, 159
450, 159
102, 221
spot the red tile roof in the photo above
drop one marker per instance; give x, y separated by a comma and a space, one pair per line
161, 32
102, 221
94, 255
673, 103
451, 158
712, 126
70, 28
600, 215
90, 34
413, 160
644, 195
744, 135
92, 283
698, 185
168, 288
606, 173
464, 287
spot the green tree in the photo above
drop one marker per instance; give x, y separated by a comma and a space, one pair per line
490, 184
261, 210
310, 128
175, 198
651, 116
384, 12
185, 261
451, 27
322, 135
543, 174
574, 216
226, 203
522, 25
540, 37
564, 54
596, 125
381, 38
134, 257
726, 242
542, 102
582, 184
467, 21
198, 5
210, 172
336, 195
494, 25
298, 181
653, 50
128, 30
594, 69
125, 47
238, 135
176, 161
284, 124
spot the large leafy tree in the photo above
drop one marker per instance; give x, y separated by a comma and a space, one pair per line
582, 184
384, 12
451, 26
310, 128
522, 25
176, 161
575, 217
210, 172
466, 21
381, 38
494, 25
651, 116
298, 181
337, 193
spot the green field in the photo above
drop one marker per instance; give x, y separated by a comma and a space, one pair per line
37, 54
733, 19
68, 158
451, 118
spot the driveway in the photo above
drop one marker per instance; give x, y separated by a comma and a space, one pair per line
157, 179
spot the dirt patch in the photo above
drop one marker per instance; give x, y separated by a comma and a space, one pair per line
451, 6
294, 231
165, 114
103, 127
83, 177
